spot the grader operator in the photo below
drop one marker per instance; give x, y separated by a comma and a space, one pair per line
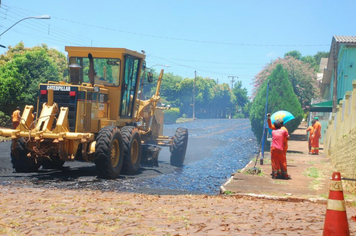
97, 116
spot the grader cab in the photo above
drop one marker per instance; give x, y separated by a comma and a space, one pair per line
96, 116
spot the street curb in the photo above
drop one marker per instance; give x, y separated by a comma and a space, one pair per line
280, 198
222, 188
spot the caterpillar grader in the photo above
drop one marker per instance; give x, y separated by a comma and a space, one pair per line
97, 115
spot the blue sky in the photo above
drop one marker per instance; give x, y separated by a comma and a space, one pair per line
217, 39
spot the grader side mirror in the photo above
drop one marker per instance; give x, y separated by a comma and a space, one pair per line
149, 77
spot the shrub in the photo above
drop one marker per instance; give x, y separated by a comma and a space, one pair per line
171, 115
5, 120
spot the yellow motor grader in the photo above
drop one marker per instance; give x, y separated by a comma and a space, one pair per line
96, 116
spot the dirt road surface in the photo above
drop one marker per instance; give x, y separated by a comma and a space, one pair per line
34, 211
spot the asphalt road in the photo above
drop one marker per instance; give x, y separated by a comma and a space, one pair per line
216, 148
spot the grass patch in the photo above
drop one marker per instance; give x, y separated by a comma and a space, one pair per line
183, 120
314, 184
316, 175
228, 192
253, 171
280, 182
2, 138
312, 173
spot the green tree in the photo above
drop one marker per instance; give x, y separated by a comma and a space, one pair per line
317, 58
241, 98
204, 96
296, 54
300, 74
280, 97
309, 60
20, 77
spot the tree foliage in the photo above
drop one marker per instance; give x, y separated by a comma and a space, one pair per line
21, 72
280, 97
296, 54
300, 74
241, 98
212, 100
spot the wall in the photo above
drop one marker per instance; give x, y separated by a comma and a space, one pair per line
346, 70
346, 73
340, 138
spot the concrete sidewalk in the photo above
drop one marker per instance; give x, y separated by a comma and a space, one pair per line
310, 174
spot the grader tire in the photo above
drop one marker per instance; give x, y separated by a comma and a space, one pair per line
132, 149
19, 159
179, 147
109, 152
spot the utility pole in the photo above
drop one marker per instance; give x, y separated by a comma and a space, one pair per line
195, 83
232, 80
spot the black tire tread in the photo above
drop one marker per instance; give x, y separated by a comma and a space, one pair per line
103, 152
19, 159
179, 147
128, 133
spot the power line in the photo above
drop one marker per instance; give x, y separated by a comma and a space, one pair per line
195, 68
183, 39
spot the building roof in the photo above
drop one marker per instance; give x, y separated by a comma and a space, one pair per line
336, 41
344, 39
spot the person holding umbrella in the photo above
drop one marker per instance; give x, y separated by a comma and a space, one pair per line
279, 165
280, 116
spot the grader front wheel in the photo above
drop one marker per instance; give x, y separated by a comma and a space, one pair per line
179, 147
109, 152
20, 161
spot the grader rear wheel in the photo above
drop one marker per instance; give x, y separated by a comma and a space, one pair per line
132, 149
179, 147
109, 152
20, 161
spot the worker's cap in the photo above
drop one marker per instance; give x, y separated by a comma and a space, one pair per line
280, 120
277, 124
316, 118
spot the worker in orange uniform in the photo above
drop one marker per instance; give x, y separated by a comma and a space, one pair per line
285, 143
316, 136
310, 129
16, 117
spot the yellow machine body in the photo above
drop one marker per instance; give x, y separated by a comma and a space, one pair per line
101, 93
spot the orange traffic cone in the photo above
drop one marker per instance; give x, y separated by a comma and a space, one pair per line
335, 218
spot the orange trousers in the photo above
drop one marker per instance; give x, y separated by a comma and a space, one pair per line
278, 162
314, 143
